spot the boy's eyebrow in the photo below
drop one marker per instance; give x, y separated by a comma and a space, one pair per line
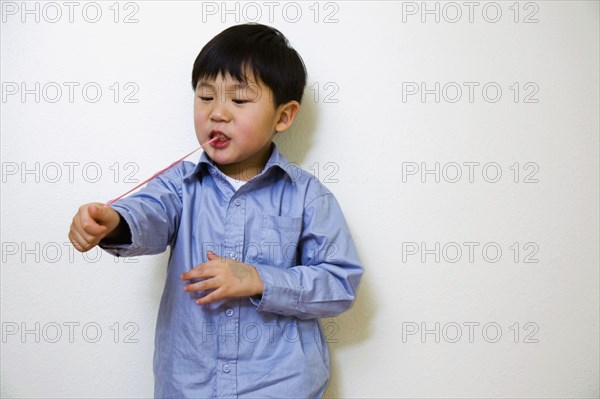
206, 85
230, 87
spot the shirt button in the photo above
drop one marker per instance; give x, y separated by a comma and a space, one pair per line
226, 368
229, 312
232, 255
237, 202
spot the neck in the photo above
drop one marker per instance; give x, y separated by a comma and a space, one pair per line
247, 169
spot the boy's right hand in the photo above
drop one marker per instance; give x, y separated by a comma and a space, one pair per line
92, 223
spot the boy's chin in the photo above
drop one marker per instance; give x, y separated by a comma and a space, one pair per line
220, 157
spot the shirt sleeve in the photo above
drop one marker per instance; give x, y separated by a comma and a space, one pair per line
152, 214
326, 281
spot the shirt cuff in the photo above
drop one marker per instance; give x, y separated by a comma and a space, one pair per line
122, 249
281, 294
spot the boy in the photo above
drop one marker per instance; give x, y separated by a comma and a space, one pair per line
259, 250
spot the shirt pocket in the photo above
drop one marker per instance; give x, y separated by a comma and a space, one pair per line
279, 237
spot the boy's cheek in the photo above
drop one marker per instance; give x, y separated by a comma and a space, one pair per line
198, 127
197, 109
197, 116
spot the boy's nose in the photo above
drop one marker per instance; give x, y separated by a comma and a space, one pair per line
219, 113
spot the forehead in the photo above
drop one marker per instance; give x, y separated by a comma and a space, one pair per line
229, 82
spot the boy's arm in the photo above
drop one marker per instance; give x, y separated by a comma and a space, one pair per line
325, 284
149, 217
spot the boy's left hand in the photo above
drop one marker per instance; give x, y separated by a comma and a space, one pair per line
227, 277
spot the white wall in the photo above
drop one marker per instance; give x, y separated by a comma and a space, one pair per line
542, 292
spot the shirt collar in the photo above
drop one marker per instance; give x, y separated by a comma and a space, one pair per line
276, 160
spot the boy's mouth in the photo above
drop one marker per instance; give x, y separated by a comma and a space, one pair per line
222, 140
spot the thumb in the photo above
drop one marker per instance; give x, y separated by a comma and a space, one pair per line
91, 220
99, 213
96, 213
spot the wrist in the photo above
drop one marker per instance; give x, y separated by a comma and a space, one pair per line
120, 234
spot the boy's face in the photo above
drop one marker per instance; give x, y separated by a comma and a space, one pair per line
244, 117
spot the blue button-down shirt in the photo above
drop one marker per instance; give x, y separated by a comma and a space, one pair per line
285, 223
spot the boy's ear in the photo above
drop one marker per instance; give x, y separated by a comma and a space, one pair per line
286, 114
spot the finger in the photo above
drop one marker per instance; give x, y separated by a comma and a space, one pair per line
203, 270
204, 285
75, 242
213, 296
80, 243
87, 237
84, 241
196, 272
212, 256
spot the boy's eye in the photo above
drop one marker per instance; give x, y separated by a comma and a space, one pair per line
205, 98
238, 101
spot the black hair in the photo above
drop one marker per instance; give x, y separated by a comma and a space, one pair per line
258, 48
